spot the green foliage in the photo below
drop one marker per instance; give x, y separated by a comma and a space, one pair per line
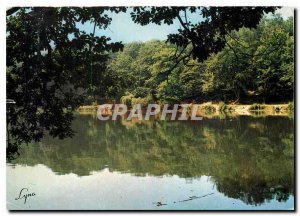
143, 101
51, 65
127, 99
222, 106
255, 65
209, 109
274, 58
257, 107
205, 37
290, 106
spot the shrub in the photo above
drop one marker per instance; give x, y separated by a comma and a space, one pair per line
222, 106
290, 106
94, 103
257, 107
143, 101
139, 100
229, 108
209, 109
277, 109
127, 99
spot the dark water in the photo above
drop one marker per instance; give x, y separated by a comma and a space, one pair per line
231, 163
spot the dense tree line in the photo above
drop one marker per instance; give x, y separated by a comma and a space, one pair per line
256, 65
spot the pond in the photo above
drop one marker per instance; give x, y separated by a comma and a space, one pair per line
228, 163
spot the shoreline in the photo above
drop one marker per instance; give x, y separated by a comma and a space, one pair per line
210, 109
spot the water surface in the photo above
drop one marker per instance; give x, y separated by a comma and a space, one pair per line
215, 164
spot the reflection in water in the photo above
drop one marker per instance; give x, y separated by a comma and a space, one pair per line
249, 159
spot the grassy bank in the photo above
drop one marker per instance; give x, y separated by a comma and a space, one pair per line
215, 109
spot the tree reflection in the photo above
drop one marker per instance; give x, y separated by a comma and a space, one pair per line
251, 159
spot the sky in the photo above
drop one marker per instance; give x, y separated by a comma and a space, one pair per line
122, 28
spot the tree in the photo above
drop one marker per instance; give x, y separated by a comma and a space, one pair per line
238, 73
274, 59
255, 63
206, 36
46, 57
